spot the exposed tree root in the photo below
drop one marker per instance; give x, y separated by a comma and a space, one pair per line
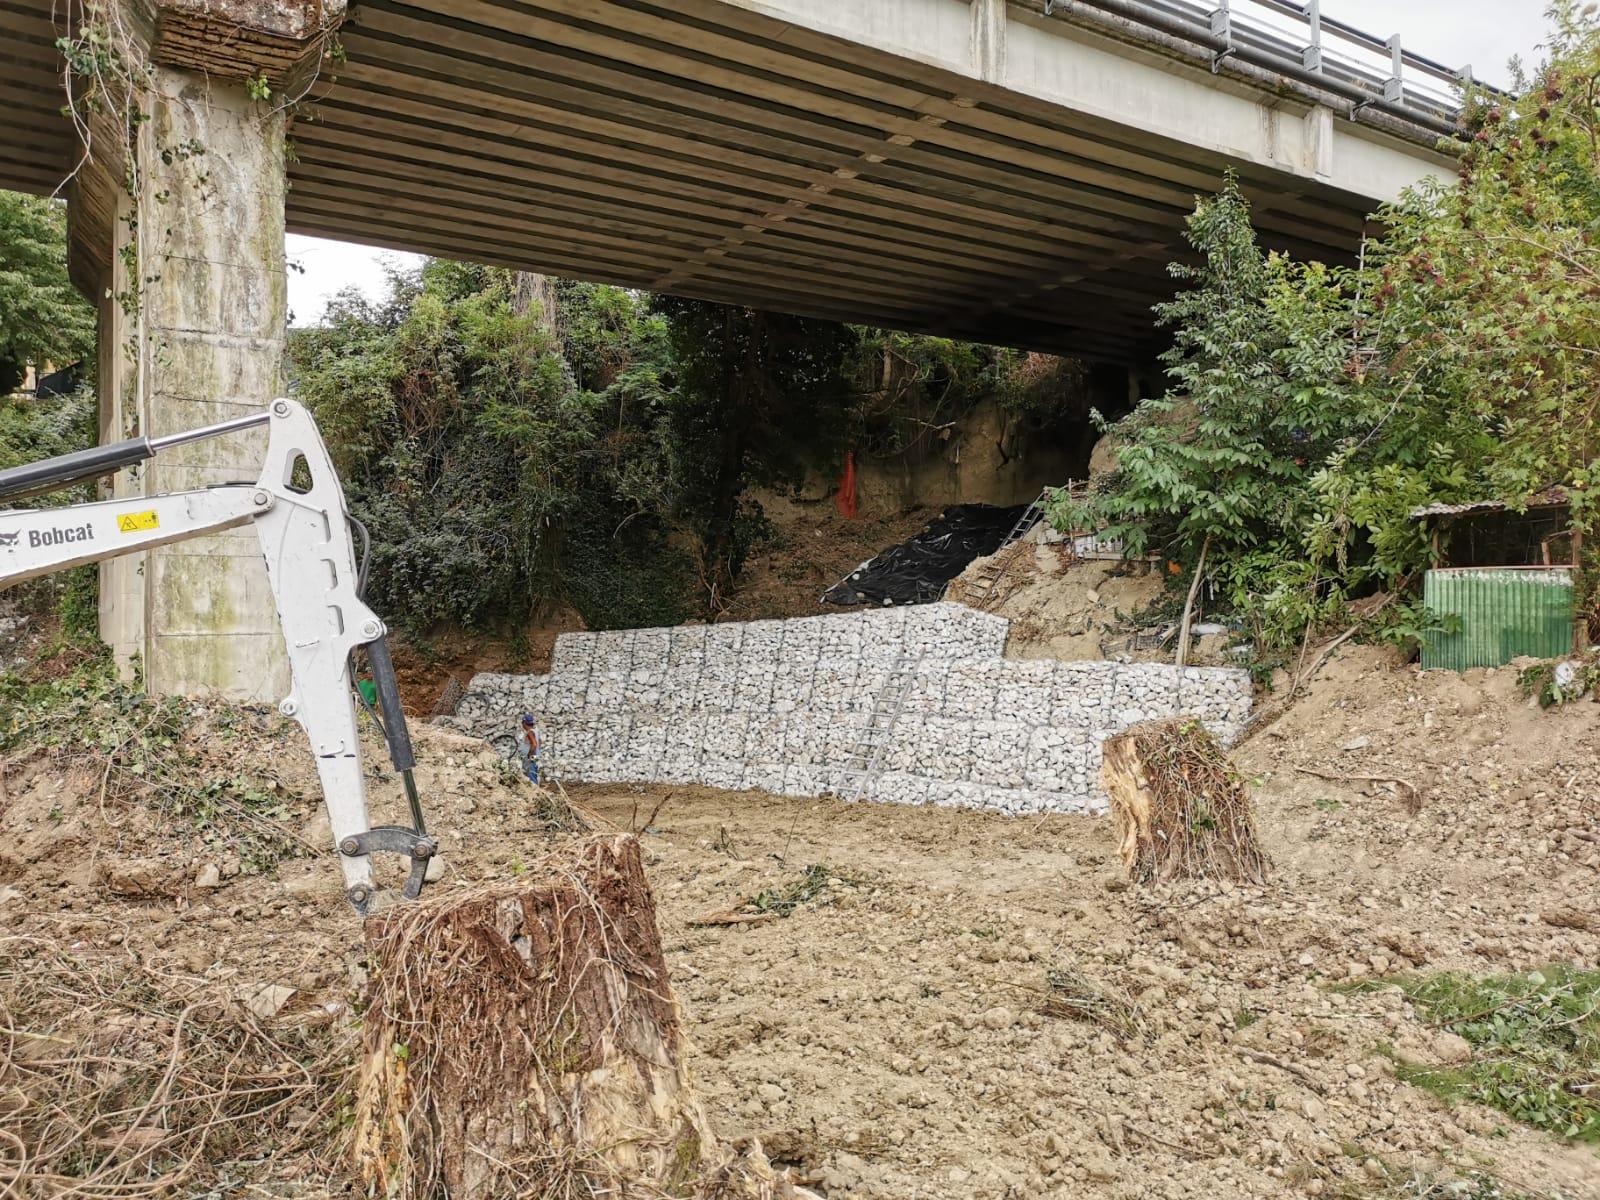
175, 1088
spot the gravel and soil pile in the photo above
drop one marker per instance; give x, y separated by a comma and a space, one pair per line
1061, 607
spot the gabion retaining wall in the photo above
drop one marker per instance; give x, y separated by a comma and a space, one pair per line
781, 705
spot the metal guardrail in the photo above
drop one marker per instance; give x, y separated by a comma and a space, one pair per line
1297, 41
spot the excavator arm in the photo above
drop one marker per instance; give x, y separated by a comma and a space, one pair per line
298, 509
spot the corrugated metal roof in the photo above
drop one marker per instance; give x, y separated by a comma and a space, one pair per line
1549, 498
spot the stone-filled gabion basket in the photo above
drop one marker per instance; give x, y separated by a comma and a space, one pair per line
782, 706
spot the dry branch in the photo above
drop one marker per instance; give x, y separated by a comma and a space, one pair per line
1072, 993
1294, 1069
1571, 918
1184, 633
1182, 809
522, 1039
557, 812
733, 917
1412, 799
153, 1085
985, 592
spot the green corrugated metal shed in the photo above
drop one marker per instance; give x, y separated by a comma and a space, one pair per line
1505, 613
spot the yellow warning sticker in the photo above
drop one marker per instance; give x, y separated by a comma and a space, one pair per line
138, 522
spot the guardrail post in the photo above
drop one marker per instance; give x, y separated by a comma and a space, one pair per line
1222, 27
1311, 56
1222, 23
1394, 86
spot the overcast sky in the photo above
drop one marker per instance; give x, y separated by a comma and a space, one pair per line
1481, 33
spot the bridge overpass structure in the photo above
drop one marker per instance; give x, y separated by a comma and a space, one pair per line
1015, 173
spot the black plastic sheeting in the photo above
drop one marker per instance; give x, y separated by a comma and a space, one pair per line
916, 571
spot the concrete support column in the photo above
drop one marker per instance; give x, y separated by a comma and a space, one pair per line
212, 319
108, 280
989, 40
178, 236
192, 320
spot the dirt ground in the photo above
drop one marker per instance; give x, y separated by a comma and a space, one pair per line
887, 1038
426, 668
1071, 609
891, 1042
813, 548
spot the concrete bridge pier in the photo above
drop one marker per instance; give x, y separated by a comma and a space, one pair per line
177, 237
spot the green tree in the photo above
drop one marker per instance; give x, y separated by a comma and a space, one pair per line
44, 322
446, 411
1472, 341
495, 486
43, 319
1313, 409
1480, 346
909, 391
1224, 458
757, 397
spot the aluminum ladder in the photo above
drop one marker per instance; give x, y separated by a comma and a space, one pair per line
867, 757
990, 574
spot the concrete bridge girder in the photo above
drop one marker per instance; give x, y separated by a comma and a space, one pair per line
803, 124
1015, 47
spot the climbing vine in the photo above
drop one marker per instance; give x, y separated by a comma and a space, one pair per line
106, 77
111, 98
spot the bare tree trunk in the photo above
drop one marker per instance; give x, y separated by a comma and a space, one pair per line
523, 1039
1188, 604
719, 543
533, 292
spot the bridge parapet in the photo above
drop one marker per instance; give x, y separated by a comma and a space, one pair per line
1297, 44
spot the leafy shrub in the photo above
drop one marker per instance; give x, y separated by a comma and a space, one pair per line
1535, 1039
758, 397
625, 580
515, 444
1561, 681
34, 428
461, 441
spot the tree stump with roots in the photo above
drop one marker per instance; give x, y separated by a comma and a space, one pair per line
522, 1039
1182, 809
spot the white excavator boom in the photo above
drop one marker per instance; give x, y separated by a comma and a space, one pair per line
297, 506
